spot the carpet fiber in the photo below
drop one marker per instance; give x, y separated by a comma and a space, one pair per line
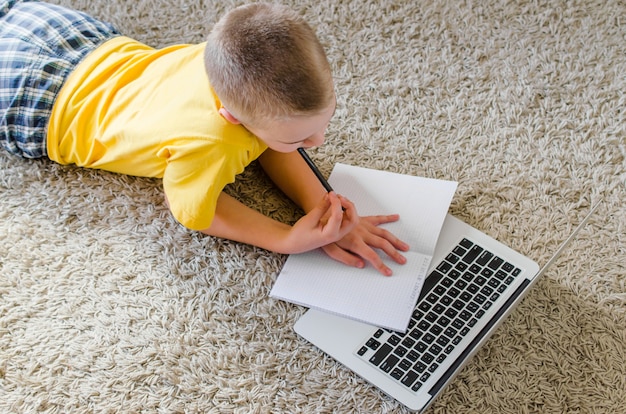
108, 305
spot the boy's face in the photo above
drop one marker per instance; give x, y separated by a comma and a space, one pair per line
290, 134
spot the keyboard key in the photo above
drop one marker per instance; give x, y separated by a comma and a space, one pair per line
431, 317
454, 292
400, 351
452, 258
451, 313
459, 251
428, 338
445, 266
484, 258
433, 367
435, 349
428, 358
405, 365
443, 321
424, 306
408, 342
460, 284
397, 373
458, 323
450, 332
394, 339
432, 298
389, 363
409, 378
439, 308
443, 340
486, 290
460, 266
472, 254
501, 275
381, 354
495, 263
420, 367
494, 283
415, 334
412, 355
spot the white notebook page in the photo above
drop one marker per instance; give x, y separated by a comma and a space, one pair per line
315, 280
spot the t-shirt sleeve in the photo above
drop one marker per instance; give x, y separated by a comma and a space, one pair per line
195, 175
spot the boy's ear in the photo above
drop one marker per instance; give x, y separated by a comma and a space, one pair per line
228, 116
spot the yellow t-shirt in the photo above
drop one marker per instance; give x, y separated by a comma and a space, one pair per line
132, 109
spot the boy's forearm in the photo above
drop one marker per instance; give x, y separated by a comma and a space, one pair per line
294, 177
235, 221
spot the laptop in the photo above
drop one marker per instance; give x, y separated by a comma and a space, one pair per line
473, 284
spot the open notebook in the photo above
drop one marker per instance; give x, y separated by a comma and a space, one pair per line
314, 280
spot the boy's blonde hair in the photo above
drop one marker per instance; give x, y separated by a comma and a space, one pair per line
266, 63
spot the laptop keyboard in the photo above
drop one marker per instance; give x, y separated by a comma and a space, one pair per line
454, 297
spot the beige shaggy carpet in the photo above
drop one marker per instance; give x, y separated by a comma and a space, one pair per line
107, 305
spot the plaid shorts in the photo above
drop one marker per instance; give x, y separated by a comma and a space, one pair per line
40, 44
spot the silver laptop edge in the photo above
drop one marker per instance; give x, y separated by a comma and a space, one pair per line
468, 350
503, 313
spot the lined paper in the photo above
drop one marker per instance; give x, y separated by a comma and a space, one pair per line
315, 280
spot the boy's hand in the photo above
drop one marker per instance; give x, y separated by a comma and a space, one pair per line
358, 246
330, 221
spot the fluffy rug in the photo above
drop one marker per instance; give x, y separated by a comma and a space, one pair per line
107, 305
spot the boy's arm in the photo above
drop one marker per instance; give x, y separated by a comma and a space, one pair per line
324, 224
294, 177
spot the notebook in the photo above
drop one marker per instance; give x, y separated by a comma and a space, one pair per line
314, 280
474, 283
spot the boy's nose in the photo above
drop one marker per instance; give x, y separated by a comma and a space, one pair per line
314, 140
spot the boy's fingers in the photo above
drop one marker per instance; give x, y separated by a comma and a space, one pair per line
337, 253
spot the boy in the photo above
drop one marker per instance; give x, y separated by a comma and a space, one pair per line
75, 90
